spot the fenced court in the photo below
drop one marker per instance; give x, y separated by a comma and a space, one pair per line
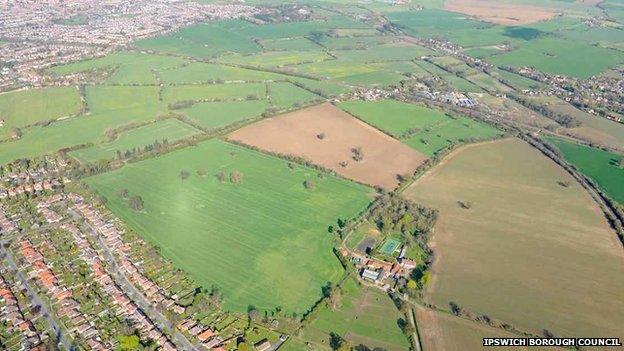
389, 246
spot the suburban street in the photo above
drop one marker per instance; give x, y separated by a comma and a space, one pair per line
137, 296
45, 312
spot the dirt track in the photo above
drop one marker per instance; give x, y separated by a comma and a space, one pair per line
296, 133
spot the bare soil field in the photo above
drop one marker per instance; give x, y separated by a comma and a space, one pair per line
499, 12
328, 136
442, 331
528, 247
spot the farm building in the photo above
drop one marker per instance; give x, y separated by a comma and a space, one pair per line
370, 275
263, 345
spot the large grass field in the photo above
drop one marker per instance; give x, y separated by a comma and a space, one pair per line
430, 130
22, 108
558, 56
213, 115
130, 67
199, 72
367, 316
263, 241
202, 40
276, 58
287, 95
602, 166
213, 92
528, 251
170, 129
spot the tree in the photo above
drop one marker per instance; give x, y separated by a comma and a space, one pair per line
236, 177
15, 133
336, 341
184, 174
201, 172
253, 313
124, 193
308, 184
136, 203
455, 309
321, 136
357, 154
221, 176
334, 300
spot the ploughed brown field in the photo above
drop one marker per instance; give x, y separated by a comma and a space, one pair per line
500, 13
521, 241
327, 136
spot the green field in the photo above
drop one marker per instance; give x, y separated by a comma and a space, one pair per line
263, 241
287, 95
202, 40
26, 107
213, 92
170, 129
213, 115
547, 247
129, 67
290, 44
602, 166
321, 87
276, 58
453, 81
199, 72
110, 107
367, 316
429, 130
557, 56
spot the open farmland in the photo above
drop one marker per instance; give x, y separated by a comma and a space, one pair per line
558, 56
327, 136
213, 92
426, 130
214, 115
367, 316
528, 233
200, 72
602, 166
269, 222
595, 129
170, 130
128, 67
287, 95
442, 331
26, 107
203, 40
276, 58
500, 12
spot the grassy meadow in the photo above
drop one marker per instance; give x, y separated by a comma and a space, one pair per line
528, 250
426, 130
169, 129
263, 241
366, 316
25, 107
602, 166
214, 115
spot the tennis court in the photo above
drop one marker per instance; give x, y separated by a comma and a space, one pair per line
389, 246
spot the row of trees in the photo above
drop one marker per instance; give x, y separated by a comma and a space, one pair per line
562, 119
